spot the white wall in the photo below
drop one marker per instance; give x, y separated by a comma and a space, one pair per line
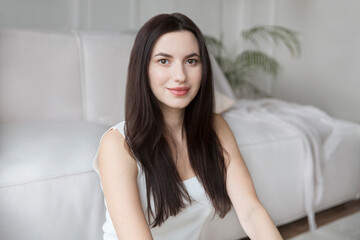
327, 75
116, 15
36, 13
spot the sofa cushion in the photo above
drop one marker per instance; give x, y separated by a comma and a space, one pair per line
35, 151
39, 76
265, 121
104, 59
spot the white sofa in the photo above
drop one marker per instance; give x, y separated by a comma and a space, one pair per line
60, 91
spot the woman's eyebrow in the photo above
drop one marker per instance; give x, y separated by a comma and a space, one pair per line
169, 56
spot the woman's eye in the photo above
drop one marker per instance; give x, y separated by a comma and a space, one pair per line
191, 61
163, 61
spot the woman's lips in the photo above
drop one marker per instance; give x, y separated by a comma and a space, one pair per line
179, 91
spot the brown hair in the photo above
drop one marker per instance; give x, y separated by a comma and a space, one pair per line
145, 129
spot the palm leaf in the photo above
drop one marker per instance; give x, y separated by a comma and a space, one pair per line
257, 60
214, 45
239, 70
277, 34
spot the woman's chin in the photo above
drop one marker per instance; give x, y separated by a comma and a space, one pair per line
176, 107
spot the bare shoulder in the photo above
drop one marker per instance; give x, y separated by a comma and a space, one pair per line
118, 173
113, 154
222, 129
219, 120
227, 139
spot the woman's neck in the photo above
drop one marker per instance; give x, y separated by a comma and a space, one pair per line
174, 121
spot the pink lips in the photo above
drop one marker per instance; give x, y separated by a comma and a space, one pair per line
179, 91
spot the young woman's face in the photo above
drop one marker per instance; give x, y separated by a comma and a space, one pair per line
175, 69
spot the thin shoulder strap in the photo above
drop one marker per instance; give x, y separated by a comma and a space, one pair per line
121, 127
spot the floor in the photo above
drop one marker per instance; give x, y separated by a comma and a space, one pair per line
295, 228
346, 228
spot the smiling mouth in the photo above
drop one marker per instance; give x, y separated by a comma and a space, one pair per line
179, 91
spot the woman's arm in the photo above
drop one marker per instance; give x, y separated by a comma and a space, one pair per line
118, 172
252, 215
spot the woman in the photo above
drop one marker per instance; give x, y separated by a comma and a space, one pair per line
173, 164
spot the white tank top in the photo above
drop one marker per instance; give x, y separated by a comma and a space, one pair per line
188, 224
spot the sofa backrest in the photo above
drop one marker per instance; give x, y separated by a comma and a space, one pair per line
65, 75
104, 63
39, 76
69, 75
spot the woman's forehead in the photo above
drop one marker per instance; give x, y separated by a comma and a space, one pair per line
179, 42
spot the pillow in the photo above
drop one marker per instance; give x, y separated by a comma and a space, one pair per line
222, 103
221, 84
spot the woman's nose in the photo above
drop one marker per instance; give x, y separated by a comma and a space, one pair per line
179, 74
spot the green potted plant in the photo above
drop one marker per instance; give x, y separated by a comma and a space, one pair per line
240, 69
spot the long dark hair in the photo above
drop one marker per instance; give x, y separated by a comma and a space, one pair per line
146, 134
